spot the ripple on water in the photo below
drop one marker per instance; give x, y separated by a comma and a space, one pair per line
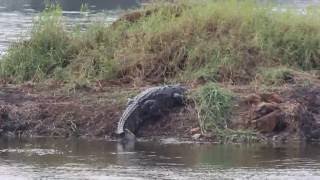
39, 152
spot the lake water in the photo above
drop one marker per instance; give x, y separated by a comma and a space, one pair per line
16, 16
44, 158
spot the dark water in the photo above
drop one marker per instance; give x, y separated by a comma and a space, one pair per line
81, 159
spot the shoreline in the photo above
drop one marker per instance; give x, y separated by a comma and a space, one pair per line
43, 111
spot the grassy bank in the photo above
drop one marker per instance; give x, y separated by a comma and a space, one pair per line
214, 40
233, 42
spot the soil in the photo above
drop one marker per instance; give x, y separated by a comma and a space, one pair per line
289, 113
28, 110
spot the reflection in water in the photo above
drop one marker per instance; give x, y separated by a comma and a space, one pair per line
74, 158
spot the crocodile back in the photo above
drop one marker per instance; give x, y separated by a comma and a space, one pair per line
132, 108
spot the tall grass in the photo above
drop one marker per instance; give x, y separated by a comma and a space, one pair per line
214, 106
37, 57
214, 40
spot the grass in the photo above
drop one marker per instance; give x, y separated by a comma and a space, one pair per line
224, 41
276, 76
47, 49
214, 107
53, 52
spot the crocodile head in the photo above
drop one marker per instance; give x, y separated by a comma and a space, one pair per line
178, 93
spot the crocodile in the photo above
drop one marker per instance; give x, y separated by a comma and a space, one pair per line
150, 104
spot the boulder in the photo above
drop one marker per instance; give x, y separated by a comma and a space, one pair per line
264, 108
270, 122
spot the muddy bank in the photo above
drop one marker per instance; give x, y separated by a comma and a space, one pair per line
28, 111
290, 114
285, 114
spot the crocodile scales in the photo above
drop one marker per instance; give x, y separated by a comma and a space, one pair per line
149, 104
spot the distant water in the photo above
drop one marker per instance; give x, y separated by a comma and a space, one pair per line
16, 16
49, 158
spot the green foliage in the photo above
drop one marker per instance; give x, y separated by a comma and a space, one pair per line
47, 49
220, 40
215, 40
214, 107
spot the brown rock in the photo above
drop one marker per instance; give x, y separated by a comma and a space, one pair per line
194, 130
269, 122
264, 108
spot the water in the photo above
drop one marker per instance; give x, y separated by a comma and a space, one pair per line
45, 158
16, 16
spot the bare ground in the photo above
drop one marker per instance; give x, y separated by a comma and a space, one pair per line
290, 112
31, 111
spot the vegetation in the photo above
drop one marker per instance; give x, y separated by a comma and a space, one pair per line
214, 107
47, 49
215, 40
276, 76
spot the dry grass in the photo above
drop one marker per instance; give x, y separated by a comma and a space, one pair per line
225, 41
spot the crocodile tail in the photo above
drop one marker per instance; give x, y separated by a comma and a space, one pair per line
126, 136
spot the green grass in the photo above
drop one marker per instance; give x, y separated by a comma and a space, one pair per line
214, 107
223, 41
47, 49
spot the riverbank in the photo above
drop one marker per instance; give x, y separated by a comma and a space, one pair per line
252, 73
287, 113
31, 110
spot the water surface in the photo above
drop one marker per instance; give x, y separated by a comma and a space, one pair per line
48, 158
16, 16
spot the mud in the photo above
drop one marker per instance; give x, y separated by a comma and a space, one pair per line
86, 113
287, 114
290, 114
34, 114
